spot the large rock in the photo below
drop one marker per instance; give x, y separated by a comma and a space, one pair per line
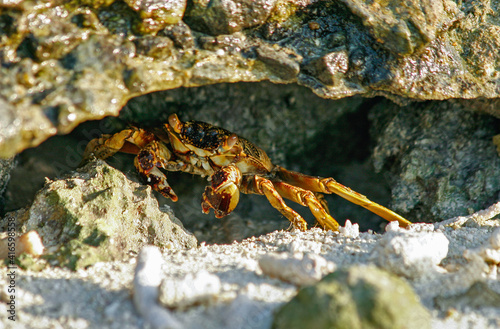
65, 63
97, 214
441, 157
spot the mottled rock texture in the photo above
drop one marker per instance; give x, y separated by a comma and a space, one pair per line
97, 214
442, 158
359, 297
65, 62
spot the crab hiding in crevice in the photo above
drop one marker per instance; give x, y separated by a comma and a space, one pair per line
232, 165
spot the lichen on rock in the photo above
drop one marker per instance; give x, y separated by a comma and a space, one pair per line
97, 214
358, 297
67, 62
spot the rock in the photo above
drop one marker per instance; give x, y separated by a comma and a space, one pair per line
97, 214
403, 29
147, 281
477, 296
227, 16
6, 166
12, 246
441, 158
358, 297
480, 218
282, 66
330, 68
411, 254
489, 251
156, 14
180, 34
193, 289
76, 63
350, 230
299, 269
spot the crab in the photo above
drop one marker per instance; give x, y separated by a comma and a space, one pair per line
232, 164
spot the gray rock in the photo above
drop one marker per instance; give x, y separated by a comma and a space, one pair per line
76, 63
359, 297
441, 156
6, 166
227, 16
97, 214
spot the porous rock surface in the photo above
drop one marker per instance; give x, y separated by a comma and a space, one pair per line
97, 214
441, 157
65, 62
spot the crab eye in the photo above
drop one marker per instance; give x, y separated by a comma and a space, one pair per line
230, 142
175, 123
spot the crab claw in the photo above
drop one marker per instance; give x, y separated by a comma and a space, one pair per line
224, 193
159, 183
222, 202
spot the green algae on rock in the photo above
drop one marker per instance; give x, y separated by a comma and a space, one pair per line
97, 214
358, 297
404, 27
66, 62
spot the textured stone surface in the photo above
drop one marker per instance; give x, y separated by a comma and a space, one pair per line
97, 215
441, 156
67, 62
227, 16
359, 297
404, 27
6, 166
410, 254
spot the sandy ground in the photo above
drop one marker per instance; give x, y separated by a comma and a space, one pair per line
228, 288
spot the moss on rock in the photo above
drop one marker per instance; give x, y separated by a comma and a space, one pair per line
359, 297
97, 214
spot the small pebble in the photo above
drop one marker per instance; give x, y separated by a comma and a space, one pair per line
412, 254
147, 280
194, 289
298, 269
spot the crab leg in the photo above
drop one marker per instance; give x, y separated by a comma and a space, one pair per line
308, 199
152, 156
128, 141
260, 185
329, 185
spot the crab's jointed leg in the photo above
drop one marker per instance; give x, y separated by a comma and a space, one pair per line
329, 185
128, 141
153, 156
308, 199
260, 185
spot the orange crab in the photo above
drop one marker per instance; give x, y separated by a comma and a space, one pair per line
232, 164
